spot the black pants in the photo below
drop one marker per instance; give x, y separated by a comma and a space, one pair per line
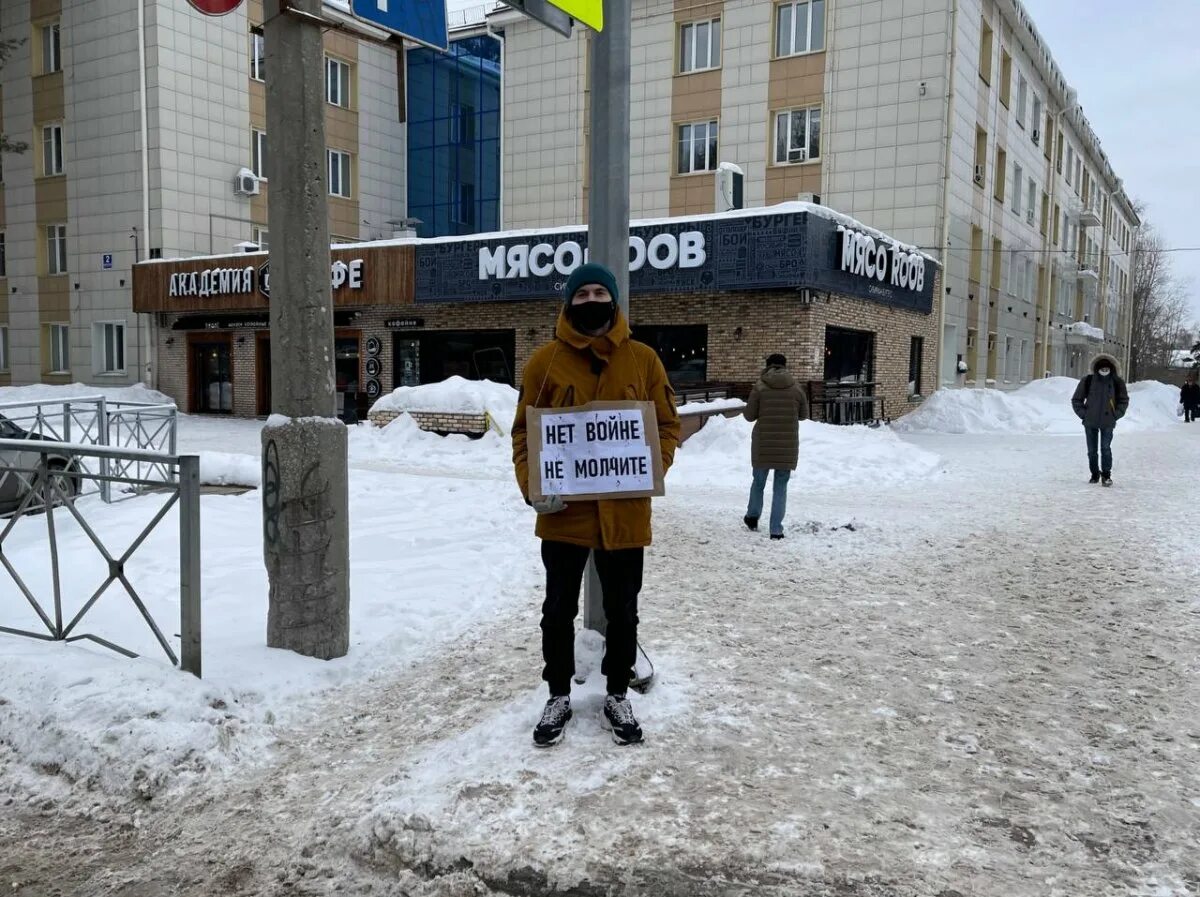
1189, 413
621, 578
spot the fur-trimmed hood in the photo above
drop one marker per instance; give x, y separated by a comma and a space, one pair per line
1105, 358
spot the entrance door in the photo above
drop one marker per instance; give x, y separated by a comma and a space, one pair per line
408, 361
212, 377
849, 388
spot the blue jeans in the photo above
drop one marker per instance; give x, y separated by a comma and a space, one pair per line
1104, 438
778, 497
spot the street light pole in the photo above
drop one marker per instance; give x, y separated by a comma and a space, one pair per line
304, 488
608, 190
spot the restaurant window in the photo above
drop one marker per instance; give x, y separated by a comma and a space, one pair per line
916, 350
433, 355
683, 350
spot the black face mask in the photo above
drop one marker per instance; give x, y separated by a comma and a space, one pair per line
590, 316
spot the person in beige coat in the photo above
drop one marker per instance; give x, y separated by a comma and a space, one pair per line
776, 406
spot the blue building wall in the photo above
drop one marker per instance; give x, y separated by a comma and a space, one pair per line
454, 137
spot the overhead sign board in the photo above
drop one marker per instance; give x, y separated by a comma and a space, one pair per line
590, 12
552, 16
423, 21
216, 7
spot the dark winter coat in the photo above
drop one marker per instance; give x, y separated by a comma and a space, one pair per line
574, 369
776, 405
1189, 395
1101, 401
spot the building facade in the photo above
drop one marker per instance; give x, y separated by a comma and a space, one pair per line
117, 172
855, 312
946, 123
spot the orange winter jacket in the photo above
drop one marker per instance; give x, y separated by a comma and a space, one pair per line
573, 370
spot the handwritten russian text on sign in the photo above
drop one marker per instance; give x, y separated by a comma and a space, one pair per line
601, 450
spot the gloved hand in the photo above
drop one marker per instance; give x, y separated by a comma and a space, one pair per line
551, 504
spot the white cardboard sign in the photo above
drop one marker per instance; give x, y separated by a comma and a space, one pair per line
601, 450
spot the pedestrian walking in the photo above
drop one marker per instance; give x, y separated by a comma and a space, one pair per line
776, 406
592, 358
1101, 400
1189, 397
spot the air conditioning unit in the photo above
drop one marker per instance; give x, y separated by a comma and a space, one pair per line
814, 198
245, 183
1037, 136
801, 155
978, 174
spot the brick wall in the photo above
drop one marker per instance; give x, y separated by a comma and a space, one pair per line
743, 328
438, 421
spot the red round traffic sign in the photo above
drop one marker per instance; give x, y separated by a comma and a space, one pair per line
216, 7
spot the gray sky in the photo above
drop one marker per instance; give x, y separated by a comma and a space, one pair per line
1137, 70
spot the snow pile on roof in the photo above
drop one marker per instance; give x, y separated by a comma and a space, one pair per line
455, 395
1083, 328
45, 392
719, 455
1043, 406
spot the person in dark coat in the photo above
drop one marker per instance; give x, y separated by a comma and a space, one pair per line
1189, 397
1101, 400
776, 406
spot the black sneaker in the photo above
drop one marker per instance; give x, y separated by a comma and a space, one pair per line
549, 730
1095, 478
1105, 480
751, 523
776, 535
619, 718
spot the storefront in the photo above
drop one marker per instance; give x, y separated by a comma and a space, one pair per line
854, 312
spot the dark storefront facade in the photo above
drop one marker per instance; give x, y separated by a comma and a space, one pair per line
854, 312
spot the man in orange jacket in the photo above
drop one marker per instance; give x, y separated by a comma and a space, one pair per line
592, 358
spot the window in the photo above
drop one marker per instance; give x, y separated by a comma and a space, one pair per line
1008, 358
3, 257
797, 136
799, 27
985, 53
4, 347
1001, 173
462, 207
339, 173
997, 258
52, 150
698, 147
1056, 219
258, 153
916, 348
699, 46
976, 270
60, 348
337, 83
1036, 119
1018, 183
1070, 162
51, 49
1045, 212
1059, 154
56, 249
258, 55
1022, 98
109, 342
260, 236
462, 123
1005, 78
1022, 374
1032, 204
980, 155
1030, 282
1014, 275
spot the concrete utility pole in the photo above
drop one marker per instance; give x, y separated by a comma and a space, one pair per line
305, 505
608, 189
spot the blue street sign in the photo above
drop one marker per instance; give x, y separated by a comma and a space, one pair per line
423, 21
107, 261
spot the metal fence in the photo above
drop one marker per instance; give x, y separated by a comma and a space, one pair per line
95, 420
34, 480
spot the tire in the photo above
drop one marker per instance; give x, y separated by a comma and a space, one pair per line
68, 479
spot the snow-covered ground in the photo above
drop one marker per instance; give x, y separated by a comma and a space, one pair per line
964, 671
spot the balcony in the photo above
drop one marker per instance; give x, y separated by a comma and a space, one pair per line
1089, 212
1089, 268
1081, 333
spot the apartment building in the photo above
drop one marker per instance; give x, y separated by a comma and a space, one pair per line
945, 123
179, 165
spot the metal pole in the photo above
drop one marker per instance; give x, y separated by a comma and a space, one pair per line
103, 437
189, 564
306, 539
608, 191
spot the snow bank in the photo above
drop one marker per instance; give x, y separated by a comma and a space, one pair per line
719, 455
404, 443
455, 395
1043, 406
711, 406
43, 392
228, 469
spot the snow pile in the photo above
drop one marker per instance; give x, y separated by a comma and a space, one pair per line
1083, 328
117, 725
403, 442
719, 455
455, 395
45, 392
711, 406
229, 469
1043, 406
